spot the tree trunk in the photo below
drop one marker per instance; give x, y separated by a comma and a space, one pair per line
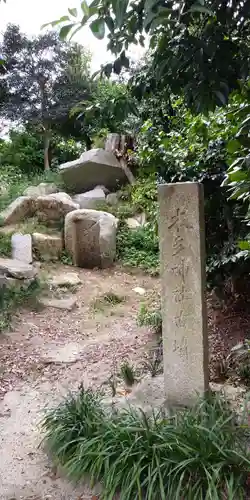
46, 150
117, 144
127, 171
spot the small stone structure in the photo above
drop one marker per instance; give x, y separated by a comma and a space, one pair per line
182, 248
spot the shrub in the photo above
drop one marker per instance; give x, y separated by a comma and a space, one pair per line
201, 453
25, 151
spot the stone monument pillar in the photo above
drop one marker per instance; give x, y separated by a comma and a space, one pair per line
182, 254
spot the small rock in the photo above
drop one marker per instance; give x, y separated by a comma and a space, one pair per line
137, 221
90, 199
139, 290
42, 189
112, 199
68, 279
66, 303
132, 223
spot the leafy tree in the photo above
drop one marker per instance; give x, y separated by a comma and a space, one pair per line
40, 83
24, 150
108, 108
199, 47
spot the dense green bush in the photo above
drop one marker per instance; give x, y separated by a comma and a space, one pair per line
200, 453
24, 150
199, 148
13, 182
138, 248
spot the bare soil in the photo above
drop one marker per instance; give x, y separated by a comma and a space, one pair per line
51, 351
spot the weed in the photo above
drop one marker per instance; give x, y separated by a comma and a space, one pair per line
153, 363
112, 298
244, 372
66, 258
108, 299
5, 244
112, 382
151, 318
200, 453
13, 297
128, 373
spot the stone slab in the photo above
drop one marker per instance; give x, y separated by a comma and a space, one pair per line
182, 254
17, 269
65, 280
66, 304
21, 245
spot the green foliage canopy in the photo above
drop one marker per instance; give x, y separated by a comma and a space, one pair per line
199, 47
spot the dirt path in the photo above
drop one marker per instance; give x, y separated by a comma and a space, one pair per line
50, 352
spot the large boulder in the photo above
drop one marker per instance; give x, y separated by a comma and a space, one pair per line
17, 211
92, 168
90, 238
90, 199
54, 207
43, 189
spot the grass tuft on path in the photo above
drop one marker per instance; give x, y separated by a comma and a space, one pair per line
199, 454
13, 297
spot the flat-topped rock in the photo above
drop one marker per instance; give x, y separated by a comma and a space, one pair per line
65, 280
90, 199
17, 269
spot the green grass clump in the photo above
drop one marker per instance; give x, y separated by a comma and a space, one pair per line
109, 299
199, 454
138, 248
5, 244
151, 318
128, 373
13, 297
